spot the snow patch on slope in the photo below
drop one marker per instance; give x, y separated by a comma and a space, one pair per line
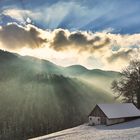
124, 131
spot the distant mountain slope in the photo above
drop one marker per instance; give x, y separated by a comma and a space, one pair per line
78, 70
75, 70
98, 78
101, 79
98, 72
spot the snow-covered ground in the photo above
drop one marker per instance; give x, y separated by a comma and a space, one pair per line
124, 131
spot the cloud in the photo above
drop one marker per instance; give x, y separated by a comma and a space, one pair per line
14, 36
91, 49
81, 41
21, 15
18, 14
124, 54
91, 42
59, 41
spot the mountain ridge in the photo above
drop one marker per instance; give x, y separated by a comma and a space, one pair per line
70, 68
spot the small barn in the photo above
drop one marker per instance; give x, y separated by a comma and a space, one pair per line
109, 114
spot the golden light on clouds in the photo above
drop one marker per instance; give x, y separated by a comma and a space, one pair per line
63, 47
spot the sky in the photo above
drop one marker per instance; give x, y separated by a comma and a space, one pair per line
102, 34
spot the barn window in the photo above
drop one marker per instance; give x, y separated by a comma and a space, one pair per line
98, 119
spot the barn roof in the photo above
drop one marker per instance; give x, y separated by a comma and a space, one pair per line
117, 110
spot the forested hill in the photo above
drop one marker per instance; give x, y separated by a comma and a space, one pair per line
38, 97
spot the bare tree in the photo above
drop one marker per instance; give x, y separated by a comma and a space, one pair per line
128, 86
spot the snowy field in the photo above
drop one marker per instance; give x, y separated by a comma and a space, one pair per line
124, 131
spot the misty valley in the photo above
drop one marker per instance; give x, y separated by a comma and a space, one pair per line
38, 97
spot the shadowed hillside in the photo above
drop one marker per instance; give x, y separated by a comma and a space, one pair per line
36, 99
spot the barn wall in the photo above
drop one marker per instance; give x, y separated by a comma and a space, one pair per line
94, 120
103, 120
114, 121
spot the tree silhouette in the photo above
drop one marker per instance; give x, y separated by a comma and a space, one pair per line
128, 86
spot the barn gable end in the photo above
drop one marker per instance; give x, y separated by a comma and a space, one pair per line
97, 112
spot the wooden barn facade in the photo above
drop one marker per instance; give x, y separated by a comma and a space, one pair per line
108, 114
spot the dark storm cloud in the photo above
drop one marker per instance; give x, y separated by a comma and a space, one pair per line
13, 36
77, 40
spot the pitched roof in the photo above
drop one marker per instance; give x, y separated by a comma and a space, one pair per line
119, 110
